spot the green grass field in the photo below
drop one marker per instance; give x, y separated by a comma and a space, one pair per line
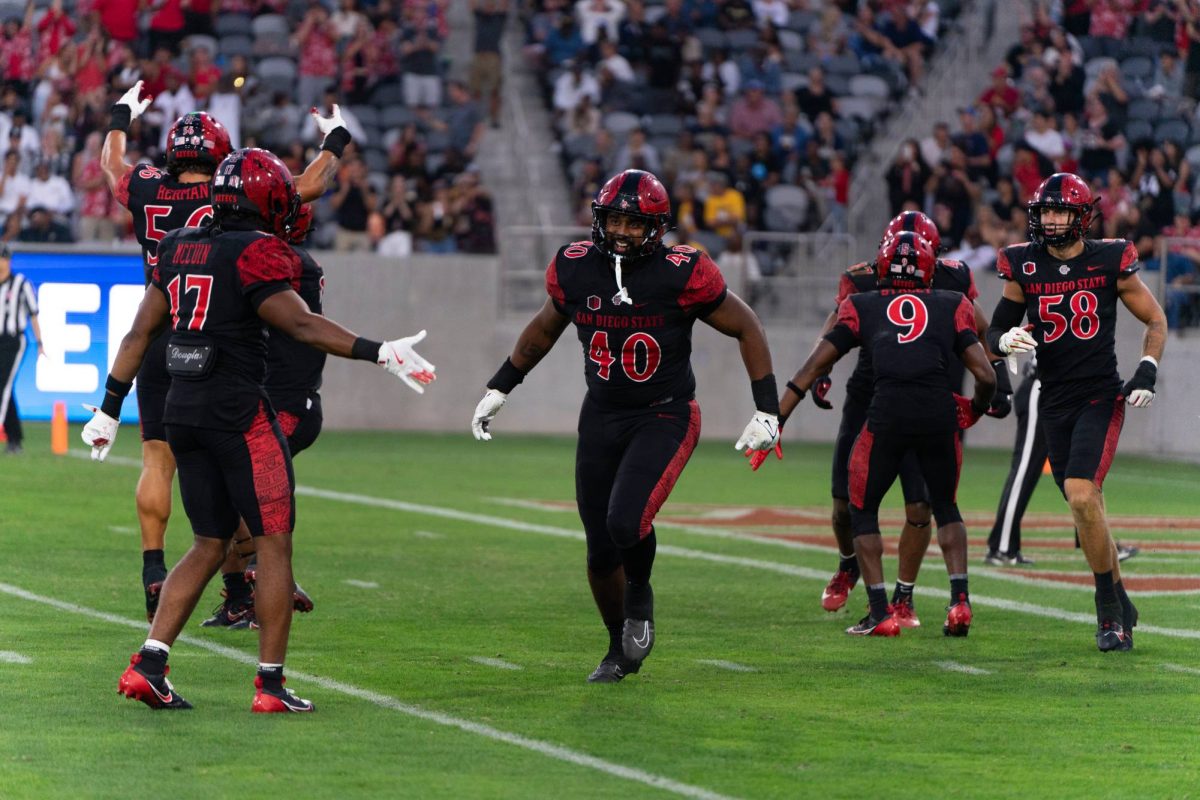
455, 666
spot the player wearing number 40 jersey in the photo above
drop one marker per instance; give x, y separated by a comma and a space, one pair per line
633, 302
913, 333
163, 200
215, 289
1068, 287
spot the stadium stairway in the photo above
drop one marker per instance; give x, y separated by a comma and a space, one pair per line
981, 38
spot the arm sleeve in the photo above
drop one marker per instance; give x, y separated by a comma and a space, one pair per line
846, 288
1003, 268
1008, 315
557, 296
844, 335
1129, 260
121, 193
964, 326
267, 267
705, 289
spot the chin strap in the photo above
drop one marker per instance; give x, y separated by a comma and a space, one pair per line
622, 295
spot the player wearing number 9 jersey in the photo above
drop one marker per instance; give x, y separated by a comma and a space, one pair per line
1068, 287
633, 302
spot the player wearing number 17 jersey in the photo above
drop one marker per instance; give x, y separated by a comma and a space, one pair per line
633, 302
1068, 287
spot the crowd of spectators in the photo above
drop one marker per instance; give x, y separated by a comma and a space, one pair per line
407, 183
1106, 89
750, 111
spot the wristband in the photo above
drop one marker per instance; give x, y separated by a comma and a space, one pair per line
119, 118
115, 392
800, 392
766, 395
336, 141
1151, 359
365, 350
119, 388
1003, 382
507, 378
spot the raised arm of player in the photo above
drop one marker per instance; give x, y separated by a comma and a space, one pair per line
287, 312
819, 362
1139, 390
112, 155
318, 175
533, 344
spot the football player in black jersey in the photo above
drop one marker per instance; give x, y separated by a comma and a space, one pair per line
161, 201
949, 275
912, 333
634, 301
1068, 287
217, 288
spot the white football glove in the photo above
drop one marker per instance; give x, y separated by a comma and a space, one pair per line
761, 433
399, 359
485, 412
327, 124
100, 433
1140, 398
1017, 340
131, 98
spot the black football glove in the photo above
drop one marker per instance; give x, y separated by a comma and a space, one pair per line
1001, 405
1139, 392
820, 389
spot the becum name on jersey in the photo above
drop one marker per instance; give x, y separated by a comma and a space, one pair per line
618, 321
1056, 287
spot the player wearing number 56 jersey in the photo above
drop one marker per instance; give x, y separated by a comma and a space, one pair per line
633, 302
1068, 286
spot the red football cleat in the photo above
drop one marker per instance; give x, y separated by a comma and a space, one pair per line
875, 627
283, 701
904, 614
153, 690
837, 591
958, 620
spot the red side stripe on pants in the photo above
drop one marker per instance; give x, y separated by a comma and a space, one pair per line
860, 463
288, 422
1110, 440
666, 483
271, 486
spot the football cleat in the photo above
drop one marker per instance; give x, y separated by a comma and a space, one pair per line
152, 583
153, 690
958, 618
232, 615
270, 701
1126, 551
995, 558
904, 614
837, 591
300, 599
612, 670
867, 626
1111, 636
637, 639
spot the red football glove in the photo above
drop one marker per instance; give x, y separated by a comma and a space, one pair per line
757, 457
820, 389
967, 414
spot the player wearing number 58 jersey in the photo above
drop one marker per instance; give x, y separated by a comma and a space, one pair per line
633, 302
1068, 286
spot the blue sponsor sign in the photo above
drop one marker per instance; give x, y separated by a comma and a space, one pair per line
86, 304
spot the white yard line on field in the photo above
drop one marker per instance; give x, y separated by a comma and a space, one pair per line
524, 526
498, 663
122, 529
361, 584
384, 701
428, 535
9, 657
1180, 668
732, 666
954, 666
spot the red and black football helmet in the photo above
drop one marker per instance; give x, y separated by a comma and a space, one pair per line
634, 193
254, 183
1063, 191
197, 137
302, 225
905, 261
919, 224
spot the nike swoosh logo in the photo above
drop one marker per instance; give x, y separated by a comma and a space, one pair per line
167, 698
1093, 269
645, 638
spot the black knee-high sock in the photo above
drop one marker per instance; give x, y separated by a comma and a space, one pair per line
639, 562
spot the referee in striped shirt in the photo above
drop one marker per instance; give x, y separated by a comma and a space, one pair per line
18, 308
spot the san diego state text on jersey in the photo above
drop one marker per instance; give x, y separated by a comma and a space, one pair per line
214, 286
1073, 307
636, 355
911, 337
294, 369
948, 274
159, 204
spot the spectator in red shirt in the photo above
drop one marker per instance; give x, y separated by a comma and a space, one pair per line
166, 26
16, 52
754, 112
318, 55
95, 200
119, 18
198, 17
1001, 95
204, 75
54, 29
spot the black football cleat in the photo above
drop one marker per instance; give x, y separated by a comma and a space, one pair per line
152, 583
1111, 637
231, 615
283, 701
612, 669
153, 690
1129, 618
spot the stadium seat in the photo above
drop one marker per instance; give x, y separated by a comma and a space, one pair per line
396, 117
869, 86
272, 44
1093, 66
837, 83
1193, 158
741, 40
1137, 68
845, 64
1142, 46
620, 123
230, 46
790, 41
277, 67
1137, 130
800, 62
713, 243
866, 108
270, 24
791, 81
387, 94
436, 141
712, 39
785, 219
1143, 108
663, 125
369, 116
232, 25
802, 20
200, 40
1091, 47
1173, 130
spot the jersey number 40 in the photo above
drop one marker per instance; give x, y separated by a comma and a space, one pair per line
651, 355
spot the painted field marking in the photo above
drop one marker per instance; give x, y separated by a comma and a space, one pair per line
1180, 668
732, 666
122, 529
9, 657
361, 584
954, 666
547, 749
524, 526
498, 663
428, 535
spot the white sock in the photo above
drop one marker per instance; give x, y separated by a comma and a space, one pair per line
155, 644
